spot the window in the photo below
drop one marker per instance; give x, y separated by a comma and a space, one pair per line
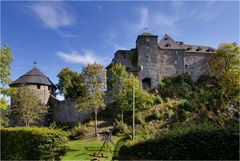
147, 40
38, 87
186, 66
175, 62
49, 88
198, 49
165, 38
167, 45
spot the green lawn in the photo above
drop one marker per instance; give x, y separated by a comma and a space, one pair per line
81, 149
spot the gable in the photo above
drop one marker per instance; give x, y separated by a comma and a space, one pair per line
168, 43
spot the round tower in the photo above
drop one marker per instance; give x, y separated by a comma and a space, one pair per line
147, 49
37, 81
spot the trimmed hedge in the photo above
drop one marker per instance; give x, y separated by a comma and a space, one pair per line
32, 143
200, 144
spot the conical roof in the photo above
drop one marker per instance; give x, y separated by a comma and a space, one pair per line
34, 76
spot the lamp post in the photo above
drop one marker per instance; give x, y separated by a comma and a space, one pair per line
133, 103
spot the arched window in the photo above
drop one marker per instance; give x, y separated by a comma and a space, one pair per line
146, 83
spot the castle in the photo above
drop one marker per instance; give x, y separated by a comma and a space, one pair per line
160, 59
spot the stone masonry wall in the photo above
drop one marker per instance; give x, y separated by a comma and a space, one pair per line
66, 112
196, 64
170, 62
147, 49
43, 93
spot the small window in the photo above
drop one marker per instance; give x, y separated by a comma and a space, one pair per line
49, 88
168, 45
165, 38
38, 86
175, 62
198, 49
186, 66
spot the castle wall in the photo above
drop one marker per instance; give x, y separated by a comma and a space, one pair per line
66, 112
123, 57
170, 62
196, 64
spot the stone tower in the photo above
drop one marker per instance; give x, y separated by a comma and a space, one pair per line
147, 49
37, 81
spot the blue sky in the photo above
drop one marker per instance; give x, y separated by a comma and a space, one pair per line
74, 33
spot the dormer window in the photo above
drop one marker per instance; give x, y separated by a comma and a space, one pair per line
180, 43
168, 45
199, 49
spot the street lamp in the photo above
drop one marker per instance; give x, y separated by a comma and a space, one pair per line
140, 68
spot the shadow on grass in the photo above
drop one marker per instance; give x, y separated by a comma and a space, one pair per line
80, 154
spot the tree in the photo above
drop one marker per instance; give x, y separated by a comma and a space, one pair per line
26, 107
121, 83
5, 71
225, 66
94, 82
70, 84
143, 99
118, 75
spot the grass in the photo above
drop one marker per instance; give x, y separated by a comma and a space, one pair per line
81, 149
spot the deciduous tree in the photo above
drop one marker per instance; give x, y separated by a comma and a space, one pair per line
70, 84
94, 82
6, 59
26, 107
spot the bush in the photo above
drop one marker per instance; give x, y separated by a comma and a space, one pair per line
196, 143
78, 131
156, 114
32, 143
120, 127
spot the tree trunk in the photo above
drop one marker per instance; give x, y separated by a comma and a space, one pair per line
96, 132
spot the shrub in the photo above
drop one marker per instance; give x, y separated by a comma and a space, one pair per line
156, 114
195, 143
78, 131
32, 143
120, 127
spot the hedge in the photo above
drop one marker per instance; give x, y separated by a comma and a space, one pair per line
32, 143
200, 144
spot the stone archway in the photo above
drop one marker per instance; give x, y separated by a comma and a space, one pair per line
146, 83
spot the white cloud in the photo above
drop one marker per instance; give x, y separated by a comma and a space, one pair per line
156, 21
87, 57
174, 22
53, 15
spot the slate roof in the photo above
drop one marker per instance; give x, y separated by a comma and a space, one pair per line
34, 76
168, 43
197, 48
